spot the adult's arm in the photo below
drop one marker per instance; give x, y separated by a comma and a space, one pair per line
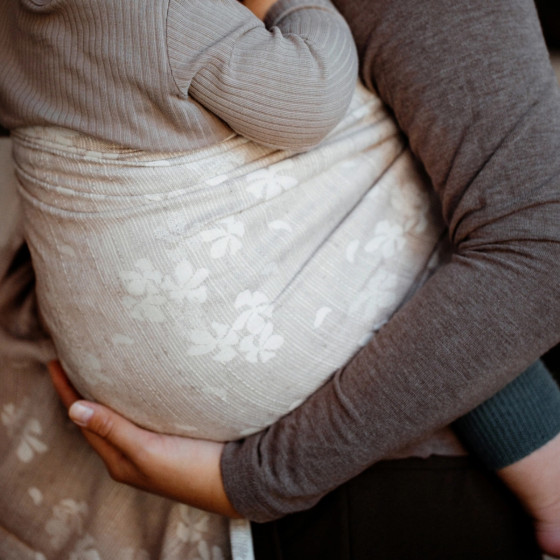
472, 88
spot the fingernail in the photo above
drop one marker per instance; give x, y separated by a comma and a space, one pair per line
80, 414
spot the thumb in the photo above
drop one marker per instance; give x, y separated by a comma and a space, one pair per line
80, 413
107, 424
112, 437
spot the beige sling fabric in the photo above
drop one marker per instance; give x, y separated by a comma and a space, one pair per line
303, 248
57, 501
209, 293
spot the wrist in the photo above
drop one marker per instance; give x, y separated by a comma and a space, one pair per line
208, 457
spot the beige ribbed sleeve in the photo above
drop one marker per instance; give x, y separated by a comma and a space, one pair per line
285, 85
173, 75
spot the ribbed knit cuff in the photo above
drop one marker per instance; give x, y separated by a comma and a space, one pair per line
516, 421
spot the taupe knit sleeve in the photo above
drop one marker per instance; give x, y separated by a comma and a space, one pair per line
285, 83
472, 87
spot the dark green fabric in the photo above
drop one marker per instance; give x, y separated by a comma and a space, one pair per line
519, 419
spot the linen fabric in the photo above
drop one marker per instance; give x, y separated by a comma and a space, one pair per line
209, 293
57, 500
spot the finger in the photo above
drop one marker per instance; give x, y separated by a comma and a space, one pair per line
65, 391
110, 427
81, 412
119, 466
116, 440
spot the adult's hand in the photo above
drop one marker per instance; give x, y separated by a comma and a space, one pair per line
183, 469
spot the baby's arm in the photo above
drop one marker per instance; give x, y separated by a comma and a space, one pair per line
285, 83
516, 421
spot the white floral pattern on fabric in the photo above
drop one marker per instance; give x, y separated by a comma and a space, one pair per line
226, 238
262, 346
269, 183
280, 225
36, 495
93, 368
68, 518
27, 431
206, 552
151, 290
200, 291
198, 297
388, 239
320, 316
250, 335
255, 317
85, 549
174, 227
379, 293
205, 293
222, 340
193, 525
63, 487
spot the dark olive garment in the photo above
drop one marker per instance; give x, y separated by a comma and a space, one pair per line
441, 508
472, 88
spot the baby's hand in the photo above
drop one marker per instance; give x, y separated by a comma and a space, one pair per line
259, 7
183, 469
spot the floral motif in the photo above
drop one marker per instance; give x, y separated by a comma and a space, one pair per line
351, 250
207, 553
193, 525
36, 495
92, 368
224, 239
379, 298
185, 284
174, 228
320, 316
268, 183
30, 442
223, 341
251, 333
149, 290
84, 550
261, 347
28, 429
253, 318
280, 225
10, 417
68, 517
388, 239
